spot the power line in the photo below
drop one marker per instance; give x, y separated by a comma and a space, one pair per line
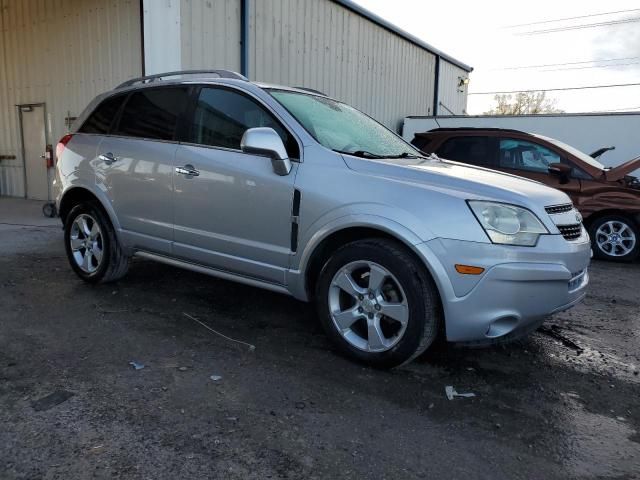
523, 67
586, 87
573, 18
580, 27
592, 66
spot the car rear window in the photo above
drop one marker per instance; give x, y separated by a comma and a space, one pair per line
100, 120
153, 113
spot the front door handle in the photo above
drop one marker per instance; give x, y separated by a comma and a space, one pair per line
187, 171
108, 158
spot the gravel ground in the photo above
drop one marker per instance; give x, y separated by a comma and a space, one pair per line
562, 404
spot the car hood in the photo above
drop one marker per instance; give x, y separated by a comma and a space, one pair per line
619, 172
464, 181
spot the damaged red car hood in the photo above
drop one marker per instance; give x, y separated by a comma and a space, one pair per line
619, 172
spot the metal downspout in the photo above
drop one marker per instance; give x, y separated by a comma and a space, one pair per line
436, 87
244, 38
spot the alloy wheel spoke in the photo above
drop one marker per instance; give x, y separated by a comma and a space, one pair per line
76, 244
95, 231
375, 336
346, 283
97, 253
347, 318
395, 311
84, 226
377, 276
86, 261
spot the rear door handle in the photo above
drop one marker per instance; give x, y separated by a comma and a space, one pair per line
187, 171
108, 158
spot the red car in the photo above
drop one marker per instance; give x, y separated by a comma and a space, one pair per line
608, 198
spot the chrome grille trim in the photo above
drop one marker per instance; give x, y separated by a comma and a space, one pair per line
553, 209
571, 232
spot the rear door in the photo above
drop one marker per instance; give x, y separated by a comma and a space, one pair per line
473, 149
134, 166
235, 214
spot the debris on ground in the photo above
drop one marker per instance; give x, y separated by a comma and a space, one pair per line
136, 365
554, 331
215, 378
251, 347
451, 392
51, 400
183, 369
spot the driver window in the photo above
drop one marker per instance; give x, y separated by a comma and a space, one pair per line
523, 155
222, 116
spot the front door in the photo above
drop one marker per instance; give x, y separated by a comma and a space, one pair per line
34, 144
532, 160
234, 213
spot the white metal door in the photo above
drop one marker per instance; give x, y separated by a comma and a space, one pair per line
34, 144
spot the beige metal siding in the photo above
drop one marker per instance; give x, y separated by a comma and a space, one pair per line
210, 35
322, 45
61, 53
453, 97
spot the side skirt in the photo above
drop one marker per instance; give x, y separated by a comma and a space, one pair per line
213, 272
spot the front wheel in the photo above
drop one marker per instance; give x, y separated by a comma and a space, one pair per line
616, 238
377, 303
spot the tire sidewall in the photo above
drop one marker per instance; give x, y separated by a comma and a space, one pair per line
413, 286
105, 226
598, 253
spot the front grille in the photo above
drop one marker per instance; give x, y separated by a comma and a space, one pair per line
553, 209
571, 232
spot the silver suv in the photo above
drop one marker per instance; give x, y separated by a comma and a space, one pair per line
290, 190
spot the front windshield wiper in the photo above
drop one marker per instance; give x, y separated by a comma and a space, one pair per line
361, 154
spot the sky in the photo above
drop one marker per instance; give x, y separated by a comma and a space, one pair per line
487, 36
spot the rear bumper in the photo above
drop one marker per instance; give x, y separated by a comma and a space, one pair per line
519, 288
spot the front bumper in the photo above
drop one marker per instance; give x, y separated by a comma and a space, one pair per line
519, 288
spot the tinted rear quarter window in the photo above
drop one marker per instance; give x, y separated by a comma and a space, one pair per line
99, 122
153, 113
473, 150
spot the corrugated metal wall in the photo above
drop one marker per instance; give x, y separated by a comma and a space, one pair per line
210, 36
61, 53
322, 45
453, 97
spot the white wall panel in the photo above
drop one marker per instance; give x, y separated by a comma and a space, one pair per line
322, 45
210, 35
61, 53
453, 97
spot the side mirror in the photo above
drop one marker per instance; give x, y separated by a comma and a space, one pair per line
265, 141
562, 170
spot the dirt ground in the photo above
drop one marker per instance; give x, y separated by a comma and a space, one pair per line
562, 404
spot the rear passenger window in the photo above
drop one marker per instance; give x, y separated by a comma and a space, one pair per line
523, 155
222, 116
473, 150
102, 117
153, 113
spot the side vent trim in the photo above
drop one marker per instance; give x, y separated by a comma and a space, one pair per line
295, 218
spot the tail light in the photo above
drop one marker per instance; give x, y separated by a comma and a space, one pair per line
62, 144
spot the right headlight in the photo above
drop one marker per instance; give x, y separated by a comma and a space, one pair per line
508, 224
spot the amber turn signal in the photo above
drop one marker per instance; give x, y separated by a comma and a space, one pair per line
469, 270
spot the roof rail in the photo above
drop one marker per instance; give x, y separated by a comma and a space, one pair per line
312, 90
160, 76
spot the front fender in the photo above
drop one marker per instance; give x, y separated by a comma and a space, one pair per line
296, 276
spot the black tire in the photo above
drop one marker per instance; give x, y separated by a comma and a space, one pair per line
114, 263
424, 317
607, 252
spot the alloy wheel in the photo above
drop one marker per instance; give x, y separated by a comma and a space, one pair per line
86, 243
615, 238
368, 306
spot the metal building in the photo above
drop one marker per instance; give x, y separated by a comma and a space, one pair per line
56, 55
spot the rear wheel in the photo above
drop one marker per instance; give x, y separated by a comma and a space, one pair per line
616, 238
92, 247
377, 303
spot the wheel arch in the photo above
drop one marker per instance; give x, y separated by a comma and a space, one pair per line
633, 216
77, 194
322, 250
